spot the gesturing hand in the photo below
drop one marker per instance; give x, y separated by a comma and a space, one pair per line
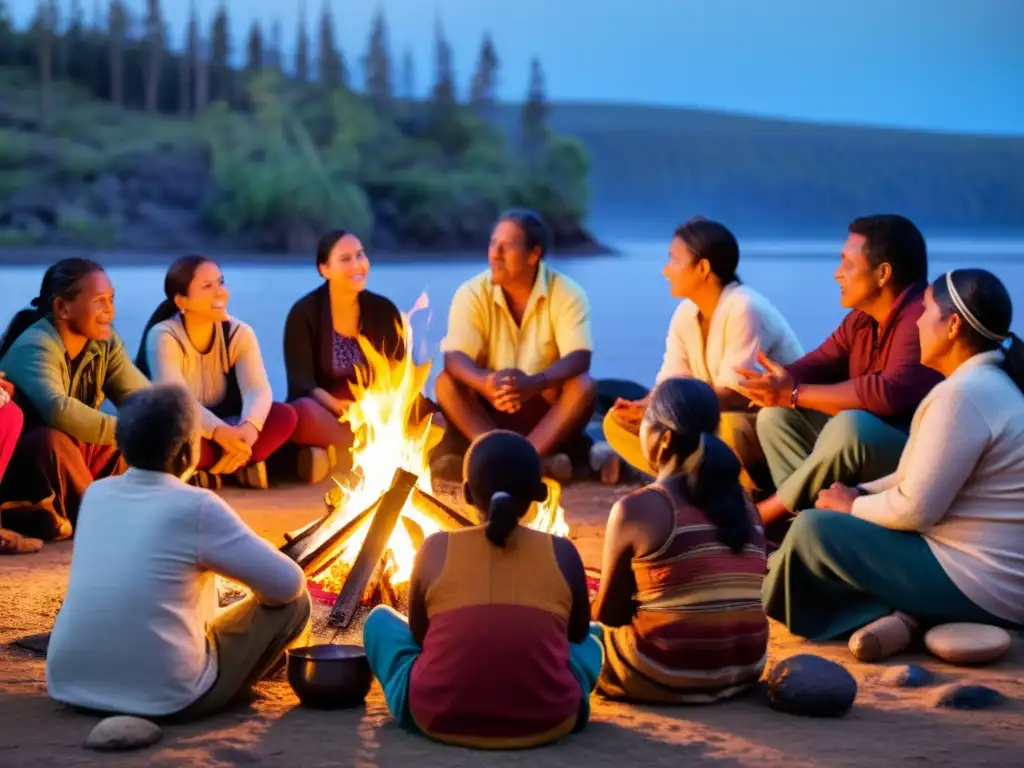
837, 497
629, 412
236, 451
774, 387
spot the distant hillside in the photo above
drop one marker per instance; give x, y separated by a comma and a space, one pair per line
651, 167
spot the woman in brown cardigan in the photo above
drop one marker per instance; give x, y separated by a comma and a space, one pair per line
322, 352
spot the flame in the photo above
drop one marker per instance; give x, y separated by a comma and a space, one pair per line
384, 396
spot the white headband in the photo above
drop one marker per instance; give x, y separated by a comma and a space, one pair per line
966, 314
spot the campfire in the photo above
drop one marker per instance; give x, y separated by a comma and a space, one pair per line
362, 550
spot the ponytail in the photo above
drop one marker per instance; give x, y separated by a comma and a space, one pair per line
714, 486
20, 323
1013, 361
165, 310
503, 518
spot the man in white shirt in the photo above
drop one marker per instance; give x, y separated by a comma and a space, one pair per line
139, 632
720, 326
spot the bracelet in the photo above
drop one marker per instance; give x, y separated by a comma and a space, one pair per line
794, 395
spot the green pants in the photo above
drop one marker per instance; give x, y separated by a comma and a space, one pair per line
736, 429
807, 451
834, 573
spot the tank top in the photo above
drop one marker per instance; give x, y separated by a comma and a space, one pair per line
700, 632
494, 672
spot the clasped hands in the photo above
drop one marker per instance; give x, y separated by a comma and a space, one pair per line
509, 388
236, 444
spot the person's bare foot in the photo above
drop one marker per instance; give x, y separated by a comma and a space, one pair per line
606, 462
558, 466
883, 637
12, 543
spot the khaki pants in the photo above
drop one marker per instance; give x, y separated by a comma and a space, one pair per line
250, 639
737, 429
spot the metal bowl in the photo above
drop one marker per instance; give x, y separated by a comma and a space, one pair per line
329, 676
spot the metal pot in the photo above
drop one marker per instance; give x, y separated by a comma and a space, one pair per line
329, 676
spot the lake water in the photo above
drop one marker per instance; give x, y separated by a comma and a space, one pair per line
629, 298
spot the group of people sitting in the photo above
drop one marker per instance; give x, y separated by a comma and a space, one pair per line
887, 467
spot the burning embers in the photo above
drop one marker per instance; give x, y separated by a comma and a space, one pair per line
364, 547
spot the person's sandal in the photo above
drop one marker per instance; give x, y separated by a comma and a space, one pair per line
206, 480
12, 543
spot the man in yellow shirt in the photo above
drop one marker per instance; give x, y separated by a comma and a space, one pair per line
517, 353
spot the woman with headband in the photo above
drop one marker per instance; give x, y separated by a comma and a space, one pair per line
680, 597
942, 538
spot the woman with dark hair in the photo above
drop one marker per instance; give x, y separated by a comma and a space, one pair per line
942, 538
191, 340
63, 358
680, 596
496, 653
719, 328
322, 352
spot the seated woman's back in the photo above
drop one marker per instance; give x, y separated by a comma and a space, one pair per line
684, 559
495, 659
699, 606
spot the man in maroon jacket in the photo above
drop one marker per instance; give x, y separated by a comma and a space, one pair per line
841, 413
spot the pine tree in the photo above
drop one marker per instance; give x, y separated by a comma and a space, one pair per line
42, 31
444, 71
331, 69
185, 68
273, 57
302, 47
535, 109
220, 55
117, 32
377, 64
254, 49
200, 66
485, 79
7, 38
155, 35
74, 41
408, 75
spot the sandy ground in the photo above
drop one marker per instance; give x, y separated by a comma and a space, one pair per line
886, 727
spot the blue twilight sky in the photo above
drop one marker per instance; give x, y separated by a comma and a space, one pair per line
953, 65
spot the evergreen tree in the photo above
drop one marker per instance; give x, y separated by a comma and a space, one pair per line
200, 66
535, 109
444, 71
485, 79
220, 55
377, 64
155, 35
117, 33
408, 75
185, 69
75, 64
331, 69
273, 57
302, 47
7, 39
43, 32
254, 49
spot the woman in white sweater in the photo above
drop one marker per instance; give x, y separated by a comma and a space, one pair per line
191, 340
942, 538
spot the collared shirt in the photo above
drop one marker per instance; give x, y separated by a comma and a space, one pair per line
882, 359
743, 323
556, 322
960, 484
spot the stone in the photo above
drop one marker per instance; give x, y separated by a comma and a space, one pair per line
962, 696
811, 686
968, 644
123, 733
907, 676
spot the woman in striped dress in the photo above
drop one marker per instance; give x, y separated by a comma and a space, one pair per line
680, 598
